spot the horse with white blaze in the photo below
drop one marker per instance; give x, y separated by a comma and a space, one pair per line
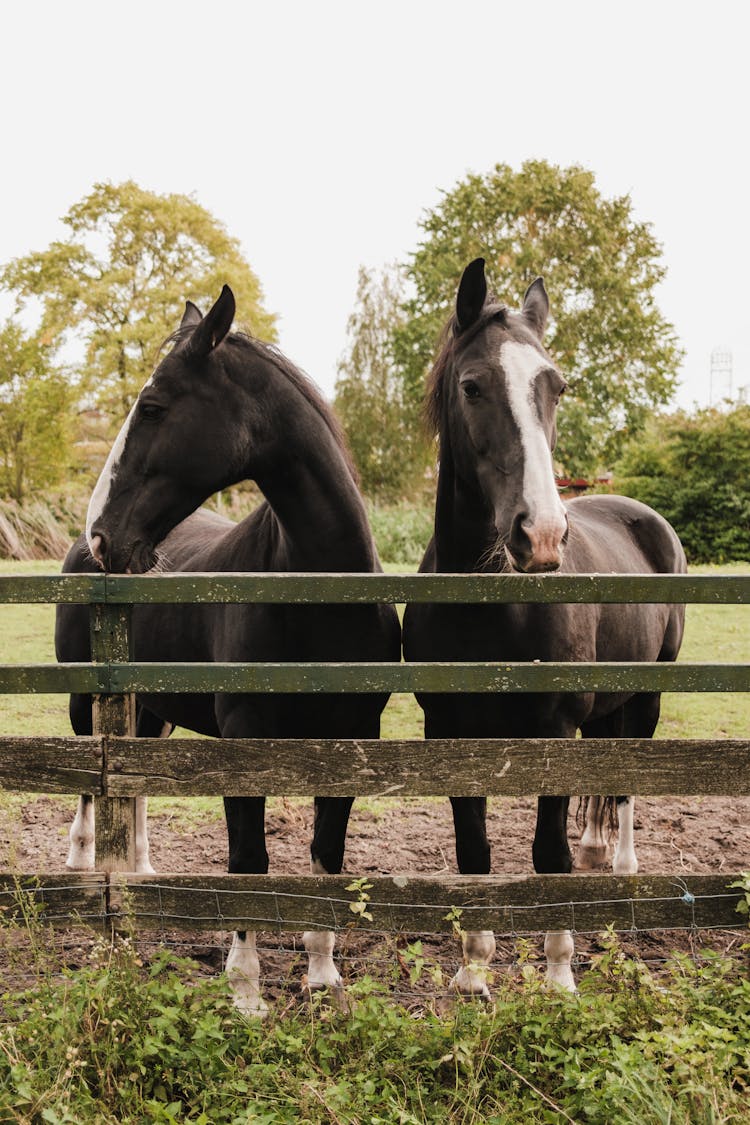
220, 408
492, 401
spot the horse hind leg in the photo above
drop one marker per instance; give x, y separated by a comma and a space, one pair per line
598, 813
637, 718
641, 716
82, 835
147, 725
593, 849
81, 854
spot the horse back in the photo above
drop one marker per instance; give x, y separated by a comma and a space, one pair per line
619, 535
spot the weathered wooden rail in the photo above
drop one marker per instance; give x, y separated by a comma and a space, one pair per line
116, 768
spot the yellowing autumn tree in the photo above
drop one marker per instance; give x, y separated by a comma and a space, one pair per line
118, 282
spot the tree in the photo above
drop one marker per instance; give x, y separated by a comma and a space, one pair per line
600, 267
120, 279
695, 470
35, 406
381, 424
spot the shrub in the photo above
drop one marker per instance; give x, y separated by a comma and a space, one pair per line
695, 470
402, 531
119, 1040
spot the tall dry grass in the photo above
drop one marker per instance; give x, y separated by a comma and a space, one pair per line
35, 530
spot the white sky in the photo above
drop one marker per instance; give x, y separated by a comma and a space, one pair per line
320, 132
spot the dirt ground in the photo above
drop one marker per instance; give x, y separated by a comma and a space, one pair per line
672, 835
689, 834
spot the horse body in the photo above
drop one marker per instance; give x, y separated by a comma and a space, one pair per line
493, 398
220, 409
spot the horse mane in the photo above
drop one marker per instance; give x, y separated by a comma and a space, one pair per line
452, 342
298, 378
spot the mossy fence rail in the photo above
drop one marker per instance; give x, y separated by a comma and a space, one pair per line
117, 768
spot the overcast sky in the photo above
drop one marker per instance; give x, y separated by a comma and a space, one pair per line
319, 133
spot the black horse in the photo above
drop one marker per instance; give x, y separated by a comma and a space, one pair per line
221, 408
492, 400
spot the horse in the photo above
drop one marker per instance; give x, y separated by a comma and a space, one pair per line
222, 407
492, 399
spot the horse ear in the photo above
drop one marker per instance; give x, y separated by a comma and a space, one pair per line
472, 293
212, 329
191, 315
536, 306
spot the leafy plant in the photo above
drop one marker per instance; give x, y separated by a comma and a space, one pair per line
695, 470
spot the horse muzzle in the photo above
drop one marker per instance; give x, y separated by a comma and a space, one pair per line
135, 558
536, 546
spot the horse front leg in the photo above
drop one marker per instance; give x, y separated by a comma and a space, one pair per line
473, 858
551, 854
326, 858
247, 855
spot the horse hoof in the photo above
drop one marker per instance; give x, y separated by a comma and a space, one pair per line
562, 978
330, 992
625, 865
80, 859
589, 858
470, 984
249, 1003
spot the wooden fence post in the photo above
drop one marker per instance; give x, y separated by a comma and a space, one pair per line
113, 715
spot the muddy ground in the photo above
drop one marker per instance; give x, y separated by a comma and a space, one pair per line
672, 835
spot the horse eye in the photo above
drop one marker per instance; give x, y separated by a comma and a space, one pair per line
470, 389
151, 411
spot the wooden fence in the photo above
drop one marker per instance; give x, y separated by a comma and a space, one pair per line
116, 768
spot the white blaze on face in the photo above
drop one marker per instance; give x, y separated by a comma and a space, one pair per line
100, 495
546, 522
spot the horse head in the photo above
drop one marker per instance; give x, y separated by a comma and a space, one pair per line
499, 399
174, 450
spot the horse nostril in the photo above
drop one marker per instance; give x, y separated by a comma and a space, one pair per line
518, 538
98, 546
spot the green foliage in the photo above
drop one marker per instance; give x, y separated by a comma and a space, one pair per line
120, 280
695, 470
402, 531
382, 424
35, 415
600, 267
117, 1040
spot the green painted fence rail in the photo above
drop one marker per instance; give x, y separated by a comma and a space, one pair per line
297, 588
117, 769
385, 677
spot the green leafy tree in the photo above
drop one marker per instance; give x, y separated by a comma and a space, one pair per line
600, 267
695, 470
35, 415
381, 423
119, 281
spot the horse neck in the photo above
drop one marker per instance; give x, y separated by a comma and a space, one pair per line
463, 523
315, 503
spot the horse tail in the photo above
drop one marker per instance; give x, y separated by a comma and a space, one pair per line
606, 820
